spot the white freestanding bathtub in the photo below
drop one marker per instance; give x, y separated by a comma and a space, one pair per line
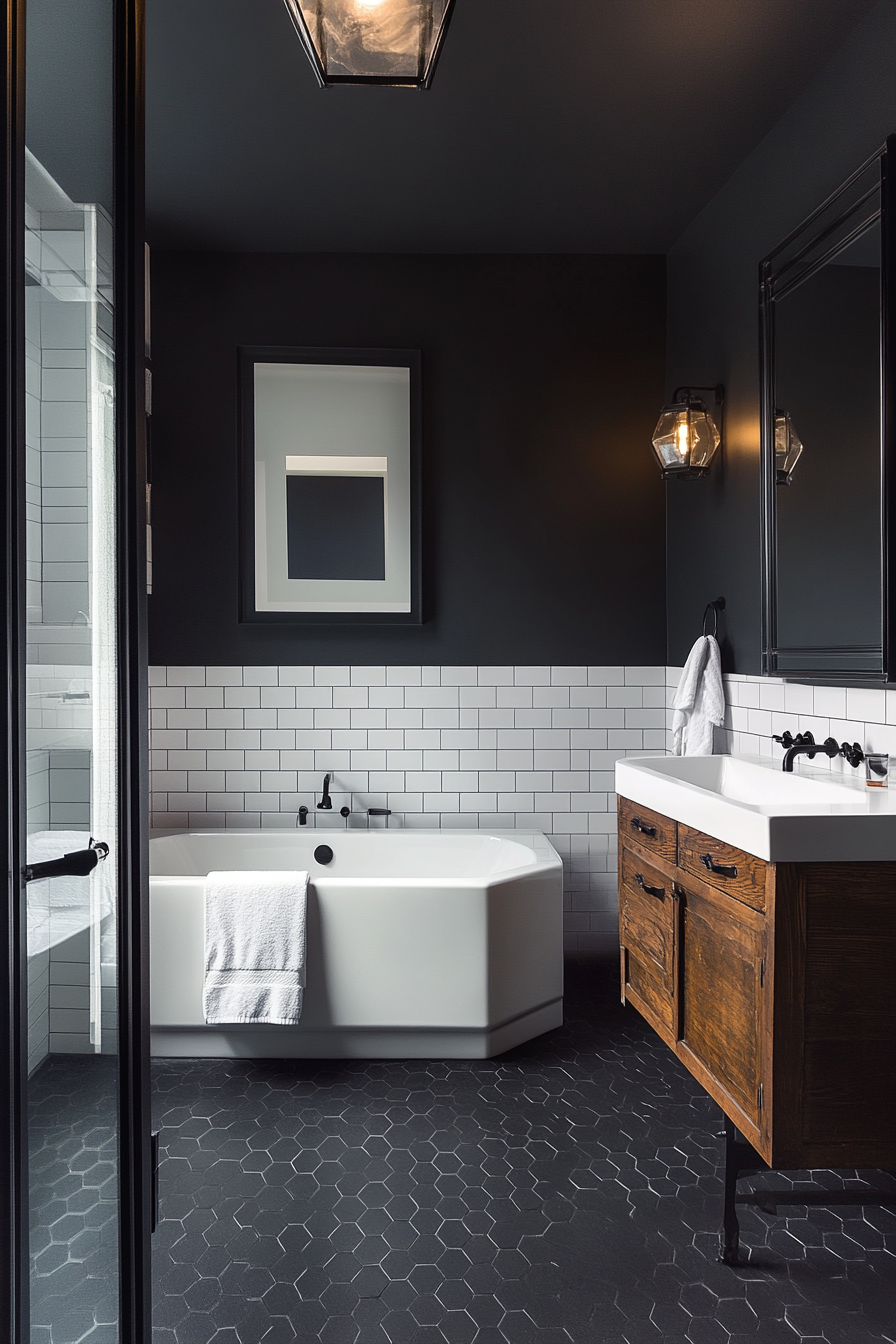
421, 944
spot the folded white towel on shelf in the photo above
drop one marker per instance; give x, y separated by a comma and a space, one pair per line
255, 946
699, 702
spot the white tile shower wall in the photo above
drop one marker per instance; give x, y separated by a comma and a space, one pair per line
502, 747
759, 707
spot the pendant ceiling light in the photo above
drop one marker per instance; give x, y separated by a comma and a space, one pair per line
391, 42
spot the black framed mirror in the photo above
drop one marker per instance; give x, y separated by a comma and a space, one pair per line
828, 505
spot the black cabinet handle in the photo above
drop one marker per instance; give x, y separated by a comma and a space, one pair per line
79, 863
638, 825
651, 891
722, 869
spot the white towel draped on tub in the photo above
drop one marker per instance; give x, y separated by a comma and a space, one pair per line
254, 946
699, 702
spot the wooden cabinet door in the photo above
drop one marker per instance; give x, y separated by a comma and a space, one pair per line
723, 1002
648, 932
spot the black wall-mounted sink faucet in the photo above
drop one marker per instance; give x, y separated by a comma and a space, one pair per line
804, 744
326, 802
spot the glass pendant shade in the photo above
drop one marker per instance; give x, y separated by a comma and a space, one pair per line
685, 438
392, 42
788, 448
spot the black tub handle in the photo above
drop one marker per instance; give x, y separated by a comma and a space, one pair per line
639, 825
722, 869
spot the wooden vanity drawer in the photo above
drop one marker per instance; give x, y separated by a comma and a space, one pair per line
648, 934
648, 829
732, 870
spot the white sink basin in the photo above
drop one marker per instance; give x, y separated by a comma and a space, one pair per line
750, 802
754, 784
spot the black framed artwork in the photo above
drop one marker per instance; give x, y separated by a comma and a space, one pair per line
330, 485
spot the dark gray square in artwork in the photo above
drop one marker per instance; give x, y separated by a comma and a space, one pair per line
335, 527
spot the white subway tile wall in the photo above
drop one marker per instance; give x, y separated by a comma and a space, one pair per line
502, 747
757, 708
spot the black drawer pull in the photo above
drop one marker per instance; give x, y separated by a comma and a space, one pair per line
638, 825
651, 891
722, 869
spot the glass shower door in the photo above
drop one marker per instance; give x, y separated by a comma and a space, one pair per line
71, 752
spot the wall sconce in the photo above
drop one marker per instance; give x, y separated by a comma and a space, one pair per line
390, 42
686, 437
788, 447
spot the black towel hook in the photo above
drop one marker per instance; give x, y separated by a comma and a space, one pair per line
714, 607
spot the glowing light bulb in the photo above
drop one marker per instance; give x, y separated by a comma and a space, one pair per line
682, 444
368, 4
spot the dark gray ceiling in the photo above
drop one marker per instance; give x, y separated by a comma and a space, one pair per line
551, 126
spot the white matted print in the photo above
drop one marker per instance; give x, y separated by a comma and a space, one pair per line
331, 470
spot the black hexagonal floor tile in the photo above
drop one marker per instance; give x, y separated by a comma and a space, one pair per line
566, 1192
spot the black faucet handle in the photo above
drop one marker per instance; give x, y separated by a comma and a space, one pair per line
786, 738
853, 754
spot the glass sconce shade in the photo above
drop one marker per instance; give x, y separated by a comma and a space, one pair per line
788, 448
686, 438
393, 42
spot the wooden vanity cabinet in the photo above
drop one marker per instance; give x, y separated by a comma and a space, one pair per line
775, 985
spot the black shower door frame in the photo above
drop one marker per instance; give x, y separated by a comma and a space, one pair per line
135, 1173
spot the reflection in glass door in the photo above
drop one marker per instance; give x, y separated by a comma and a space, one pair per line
77, 1211
71, 749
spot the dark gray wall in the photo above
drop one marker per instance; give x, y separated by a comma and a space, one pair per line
543, 526
713, 330
68, 116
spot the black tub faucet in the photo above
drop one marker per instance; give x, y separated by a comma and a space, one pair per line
326, 802
804, 744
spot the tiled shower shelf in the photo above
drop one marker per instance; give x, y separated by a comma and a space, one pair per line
59, 739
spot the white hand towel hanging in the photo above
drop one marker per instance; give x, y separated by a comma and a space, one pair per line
699, 702
255, 946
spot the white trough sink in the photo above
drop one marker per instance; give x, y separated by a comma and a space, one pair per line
751, 802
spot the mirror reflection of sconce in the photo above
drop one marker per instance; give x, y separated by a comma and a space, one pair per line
686, 436
788, 447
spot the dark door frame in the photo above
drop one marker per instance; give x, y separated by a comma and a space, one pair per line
135, 1176
13, 1224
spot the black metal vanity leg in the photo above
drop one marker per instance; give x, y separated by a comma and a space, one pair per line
730, 1239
